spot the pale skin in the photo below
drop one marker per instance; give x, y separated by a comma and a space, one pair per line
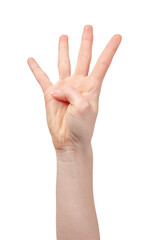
71, 114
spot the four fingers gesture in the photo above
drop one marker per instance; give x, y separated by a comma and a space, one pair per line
72, 103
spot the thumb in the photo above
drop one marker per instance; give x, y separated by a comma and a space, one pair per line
70, 95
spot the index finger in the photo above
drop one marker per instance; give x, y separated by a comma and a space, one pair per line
105, 59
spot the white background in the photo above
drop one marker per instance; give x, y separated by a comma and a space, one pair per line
123, 140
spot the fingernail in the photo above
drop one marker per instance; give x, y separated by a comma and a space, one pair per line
88, 27
55, 91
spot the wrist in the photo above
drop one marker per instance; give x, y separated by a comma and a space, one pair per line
76, 164
76, 153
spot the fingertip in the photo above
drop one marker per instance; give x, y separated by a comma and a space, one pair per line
88, 27
87, 33
30, 59
116, 40
63, 37
118, 37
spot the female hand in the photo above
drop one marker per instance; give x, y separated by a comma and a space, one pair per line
71, 112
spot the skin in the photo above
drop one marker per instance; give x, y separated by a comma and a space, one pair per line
71, 115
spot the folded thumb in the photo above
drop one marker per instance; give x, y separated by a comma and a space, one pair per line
68, 94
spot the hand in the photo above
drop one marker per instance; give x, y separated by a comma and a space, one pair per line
71, 112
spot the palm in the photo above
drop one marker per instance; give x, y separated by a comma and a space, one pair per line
59, 113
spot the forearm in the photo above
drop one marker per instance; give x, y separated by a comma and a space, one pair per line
76, 216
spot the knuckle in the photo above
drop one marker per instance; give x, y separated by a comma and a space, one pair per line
103, 62
36, 70
84, 57
63, 61
83, 106
64, 66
